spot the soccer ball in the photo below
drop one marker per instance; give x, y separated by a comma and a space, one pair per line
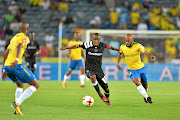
88, 100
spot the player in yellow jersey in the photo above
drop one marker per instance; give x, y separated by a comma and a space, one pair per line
75, 56
14, 69
136, 68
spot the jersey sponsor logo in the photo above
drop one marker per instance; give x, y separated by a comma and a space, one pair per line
131, 55
24, 40
31, 47
95, 54
88, 44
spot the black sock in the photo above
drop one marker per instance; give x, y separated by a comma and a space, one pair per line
98, 91
106, 94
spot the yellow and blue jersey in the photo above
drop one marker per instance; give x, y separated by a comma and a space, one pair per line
18, 38
76, 53
132, 55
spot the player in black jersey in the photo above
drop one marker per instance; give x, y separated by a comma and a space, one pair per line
93, 70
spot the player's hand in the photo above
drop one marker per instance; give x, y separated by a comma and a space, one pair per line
14, 64
119, 67
153, 57
4, 76
27, 55
63, 48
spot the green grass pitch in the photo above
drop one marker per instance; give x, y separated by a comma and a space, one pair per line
52, 102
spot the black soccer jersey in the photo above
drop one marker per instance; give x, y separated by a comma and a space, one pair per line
32, 48
93, 55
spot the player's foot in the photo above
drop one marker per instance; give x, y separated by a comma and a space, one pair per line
28, 84
104, 99
108, 103
145, 100
17, 108
149, 100
82, 85
63, 84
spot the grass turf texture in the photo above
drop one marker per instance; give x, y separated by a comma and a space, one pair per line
52, 102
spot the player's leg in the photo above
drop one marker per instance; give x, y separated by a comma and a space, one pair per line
81, 68
92, 77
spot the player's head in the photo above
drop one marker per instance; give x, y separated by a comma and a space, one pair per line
31, 36
129, 40
96, 39
76, 36
23, 27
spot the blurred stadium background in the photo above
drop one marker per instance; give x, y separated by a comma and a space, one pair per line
154, 23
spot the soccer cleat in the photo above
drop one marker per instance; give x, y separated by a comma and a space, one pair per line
17, 108
145, 100
106, 100
149, 100
63, 84
82, 85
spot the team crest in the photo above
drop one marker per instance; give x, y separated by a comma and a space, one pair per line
24, 40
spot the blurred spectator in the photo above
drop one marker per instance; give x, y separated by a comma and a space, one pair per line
174, 11
166, 9
146, 5
2, 45
156, 10
8, 31
123, 18
114, 16
65, 41
44, 51
4, 24
2, 32
13, 7
45, 4
49, 39
142, 25
170, 48
35, 2
110, 4
69, 19
114, 42
105, 23
137, 5
146, 17
22, 9
18, 16
53, 5
95, 22
164, 22
178, 48
80, 30
14, 26
63, 6
135, 19
155, 20
126, 4
9, 17
160, 58
178, 22
53, 17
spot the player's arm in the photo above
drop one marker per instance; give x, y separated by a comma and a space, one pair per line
18, 51
70, 47
38, 50
118, 60
112, 48
69, 54
150, 55
4, 75
82, 54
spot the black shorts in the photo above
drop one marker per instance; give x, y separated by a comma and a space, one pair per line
99, 76
31, 64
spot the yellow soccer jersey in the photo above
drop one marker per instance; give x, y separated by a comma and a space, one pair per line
75, 53
18, 38
132, 55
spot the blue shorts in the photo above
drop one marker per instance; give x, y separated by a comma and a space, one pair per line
19, 73
140, 73
75, 63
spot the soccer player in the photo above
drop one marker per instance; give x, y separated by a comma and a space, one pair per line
93, 70
75, 56
31, 52
136, 68
14, 69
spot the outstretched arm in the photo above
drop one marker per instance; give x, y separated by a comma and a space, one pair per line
70, 47
150, 55
118, 60
113, 48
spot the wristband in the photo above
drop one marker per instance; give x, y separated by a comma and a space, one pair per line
17, 59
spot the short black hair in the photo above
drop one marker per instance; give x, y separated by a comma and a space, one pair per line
96, 34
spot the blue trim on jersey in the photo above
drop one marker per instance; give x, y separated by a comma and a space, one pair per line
75, 63
140, 73
19, 73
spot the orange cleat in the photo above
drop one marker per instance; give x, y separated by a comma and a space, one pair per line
17, 108
106, 100
63, 84
28, 84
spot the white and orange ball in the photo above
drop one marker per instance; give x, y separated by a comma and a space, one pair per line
88, 100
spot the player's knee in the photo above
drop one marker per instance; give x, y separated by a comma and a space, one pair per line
93, 78
137, 81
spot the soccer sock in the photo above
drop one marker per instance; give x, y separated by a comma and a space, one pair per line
82, 79
65, 78
96, 86
106, 94
26, 94
142, 91
18, 93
